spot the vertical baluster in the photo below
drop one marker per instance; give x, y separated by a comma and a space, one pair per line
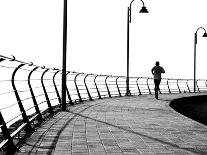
56, 90
28, 127
206, 83
45, 91
168, 86
80, 99
10, 146
138, 86
39, 118
148, 86
178, 85
197, 86
118, 86
68, 93
129, 92
89, 95
107, 86
99, 95
188, 86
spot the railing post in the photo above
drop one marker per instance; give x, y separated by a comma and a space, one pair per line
80, 99
128, 92
178, 86
138, 86
107, 86
68, 93
99, 95
118, 86
2, 59
148, 86
45, 92
188, 86
39, 118
10, 146
28, 127
168, 86
197, 86
206, 83
89, 95
56, 90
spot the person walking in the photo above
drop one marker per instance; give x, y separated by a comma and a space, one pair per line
157, 70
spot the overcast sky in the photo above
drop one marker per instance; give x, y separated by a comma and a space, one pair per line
97, 30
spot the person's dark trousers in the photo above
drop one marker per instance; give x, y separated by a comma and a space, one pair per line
157, 88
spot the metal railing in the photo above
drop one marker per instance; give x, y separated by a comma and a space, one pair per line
29, 92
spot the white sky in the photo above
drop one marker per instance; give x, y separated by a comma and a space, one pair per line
32, 31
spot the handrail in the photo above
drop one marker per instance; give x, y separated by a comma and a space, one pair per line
43, 93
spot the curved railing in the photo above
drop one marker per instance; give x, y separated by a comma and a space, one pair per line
28, 93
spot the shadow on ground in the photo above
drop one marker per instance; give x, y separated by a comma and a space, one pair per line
194, 107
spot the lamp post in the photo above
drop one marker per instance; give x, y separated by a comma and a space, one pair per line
195, 43
143, 10
63, 103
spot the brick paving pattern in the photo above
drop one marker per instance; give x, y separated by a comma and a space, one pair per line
119, 126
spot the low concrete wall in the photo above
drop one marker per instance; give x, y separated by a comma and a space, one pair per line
194, 107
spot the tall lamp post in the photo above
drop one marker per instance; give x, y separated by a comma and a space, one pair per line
64, 79
195, 43
143, 10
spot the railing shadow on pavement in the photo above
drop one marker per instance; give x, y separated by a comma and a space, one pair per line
29, 93
192, 150
75, 114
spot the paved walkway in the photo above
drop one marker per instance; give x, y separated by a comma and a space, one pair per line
119, 126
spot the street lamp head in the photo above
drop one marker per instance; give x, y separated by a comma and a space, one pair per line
205, 34
143, 10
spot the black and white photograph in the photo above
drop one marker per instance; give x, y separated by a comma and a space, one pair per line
103, 77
